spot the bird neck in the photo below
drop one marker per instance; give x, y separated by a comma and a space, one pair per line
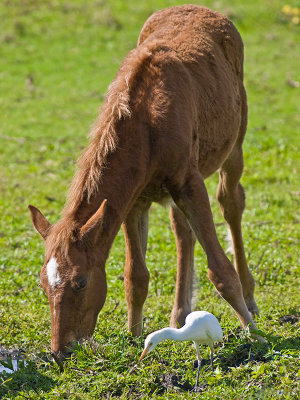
170, 333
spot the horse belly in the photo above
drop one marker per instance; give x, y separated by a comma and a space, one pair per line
214, 149
218, 121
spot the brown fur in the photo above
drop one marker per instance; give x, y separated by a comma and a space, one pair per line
175, 113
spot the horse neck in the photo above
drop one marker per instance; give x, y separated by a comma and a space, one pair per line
120, 182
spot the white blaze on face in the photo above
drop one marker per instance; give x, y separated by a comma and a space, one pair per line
53, 279
52, 272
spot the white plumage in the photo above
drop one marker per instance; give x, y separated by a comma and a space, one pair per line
201, 327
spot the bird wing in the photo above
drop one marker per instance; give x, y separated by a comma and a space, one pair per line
203, 326
190, 318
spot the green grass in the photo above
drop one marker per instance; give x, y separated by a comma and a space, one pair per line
56, 61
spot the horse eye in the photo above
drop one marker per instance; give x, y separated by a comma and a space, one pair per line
81, 284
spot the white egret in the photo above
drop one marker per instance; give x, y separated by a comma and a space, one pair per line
200, 326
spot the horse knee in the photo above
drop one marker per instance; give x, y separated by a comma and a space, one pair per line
232, 201
226, 280
136, 286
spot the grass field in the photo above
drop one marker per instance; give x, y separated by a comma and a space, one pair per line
56, 61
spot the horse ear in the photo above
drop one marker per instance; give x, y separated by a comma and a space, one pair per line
93, 227
41, 224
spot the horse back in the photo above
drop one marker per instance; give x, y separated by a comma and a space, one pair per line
192, 30
197, 92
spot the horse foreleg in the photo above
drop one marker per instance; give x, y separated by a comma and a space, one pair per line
136, 275
193, 200
185, 244
231, 197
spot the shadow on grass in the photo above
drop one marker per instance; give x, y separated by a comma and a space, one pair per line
27, 378
256, 352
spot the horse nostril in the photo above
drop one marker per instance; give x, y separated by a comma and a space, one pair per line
59, 357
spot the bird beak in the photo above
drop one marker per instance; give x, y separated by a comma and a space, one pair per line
144, 353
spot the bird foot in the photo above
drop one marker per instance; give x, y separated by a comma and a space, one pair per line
198, 389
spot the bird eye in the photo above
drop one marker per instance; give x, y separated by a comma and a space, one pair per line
81, 284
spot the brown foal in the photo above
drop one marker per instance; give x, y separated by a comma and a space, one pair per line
175, 113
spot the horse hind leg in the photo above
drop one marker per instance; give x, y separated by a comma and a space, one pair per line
192, 199
185, 244
136, 275
231, 197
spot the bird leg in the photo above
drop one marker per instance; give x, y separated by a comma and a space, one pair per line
199, 367
211, 358
198, 373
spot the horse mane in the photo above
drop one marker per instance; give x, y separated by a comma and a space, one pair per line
103, 140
